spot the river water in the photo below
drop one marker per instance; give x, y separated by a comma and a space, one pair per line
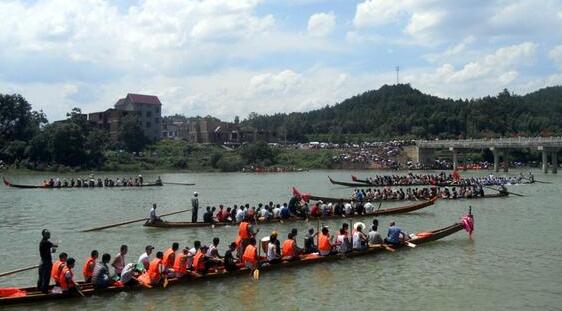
513, 262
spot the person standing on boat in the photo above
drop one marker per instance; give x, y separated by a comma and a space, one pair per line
194, 207
309, 246
46, 247
119, 260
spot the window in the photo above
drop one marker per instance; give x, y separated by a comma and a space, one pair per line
149, 114
148, 125
156, 120
157, 109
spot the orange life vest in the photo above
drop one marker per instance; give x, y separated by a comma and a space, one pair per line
250, 254
324, 243
64, 284
56, 270
88, 269
169, 258
154, 270
198, 263
288, 248
243, 231
180, 264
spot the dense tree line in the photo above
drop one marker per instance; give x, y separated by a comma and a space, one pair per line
403, 112
28, 140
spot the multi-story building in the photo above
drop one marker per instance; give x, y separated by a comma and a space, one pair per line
149, 109
110, 120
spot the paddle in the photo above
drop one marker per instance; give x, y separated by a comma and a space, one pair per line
80, 292
18, 270
256, 273
131, 221
409, 244
517, 194
178, 183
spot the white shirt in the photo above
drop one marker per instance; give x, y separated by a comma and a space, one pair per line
357, 240
143, 259
276, 212
347, 208
152, 213
271, 251
368, 207
190, 255
240, 215
127, 273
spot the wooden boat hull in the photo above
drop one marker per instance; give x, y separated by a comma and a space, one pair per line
386, 211
88, 290
9, 184
336, 200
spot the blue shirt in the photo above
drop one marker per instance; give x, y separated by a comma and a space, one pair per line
394, 235
285, 212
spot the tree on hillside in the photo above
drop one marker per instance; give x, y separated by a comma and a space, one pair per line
258, 153
131, 134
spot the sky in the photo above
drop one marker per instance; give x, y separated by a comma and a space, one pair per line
229, 58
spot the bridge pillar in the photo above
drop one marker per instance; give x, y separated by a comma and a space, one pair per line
496, 154
505, 161
455, 158
554, 159
425, 156
544, 161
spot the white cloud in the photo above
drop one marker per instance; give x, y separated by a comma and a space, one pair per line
556, 55
378, 12
321, 24
275, 84
421, 22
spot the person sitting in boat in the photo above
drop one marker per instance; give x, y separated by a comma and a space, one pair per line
503, 190
285, 213
250, 255
240, 214
230, 259
273, 251
277, 211
169, 256
309, 246
57, 267
159, 181
180, 263
315, 211
395, 235
359, 239
293, 206
208, 215
66, 277
343, 244
374, 237
152, 217
144, 258
88, 269
129, 275
325, 242
290, 250
100, 276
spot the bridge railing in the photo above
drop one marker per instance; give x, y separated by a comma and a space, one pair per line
510, 142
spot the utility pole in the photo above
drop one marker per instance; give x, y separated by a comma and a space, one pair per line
397, 75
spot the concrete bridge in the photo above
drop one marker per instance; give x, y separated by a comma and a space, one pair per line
500, 147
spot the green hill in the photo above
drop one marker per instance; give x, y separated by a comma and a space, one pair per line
400, 111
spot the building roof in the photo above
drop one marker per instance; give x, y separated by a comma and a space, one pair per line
143, 99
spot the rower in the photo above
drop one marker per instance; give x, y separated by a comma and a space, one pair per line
309, 246
100, 276
208, 216
192, 252
46, 247
66, 278
143, 259
245, 232
152, 217
156, 269
89, 266
273, 256
200, 262
57, 268
359, 239
194, 207
180, 263
343, 245
324, 242
250, 257
290, 251
170, 256
374, 237
119, 260
230, 258
213, 251
393, 236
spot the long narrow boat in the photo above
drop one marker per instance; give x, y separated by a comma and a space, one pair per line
379, 212
460, 183
28, 295
10, 184
335, 200
362, 184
